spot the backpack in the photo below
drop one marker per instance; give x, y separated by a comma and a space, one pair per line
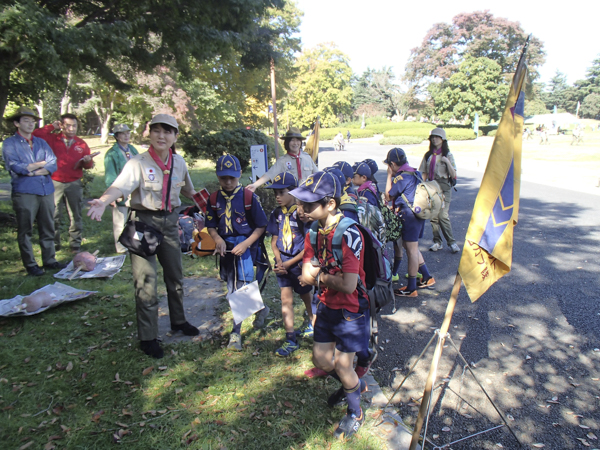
371, 218
187, 230
428, 200
378, 271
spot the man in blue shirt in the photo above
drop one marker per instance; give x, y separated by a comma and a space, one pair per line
30, 162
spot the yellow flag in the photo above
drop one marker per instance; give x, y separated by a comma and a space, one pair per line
312, 144
487, 253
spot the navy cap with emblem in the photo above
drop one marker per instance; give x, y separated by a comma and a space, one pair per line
363, 169
337, 173
345, 167
396, 155
317, 186
372, 165
229, 166
284, 180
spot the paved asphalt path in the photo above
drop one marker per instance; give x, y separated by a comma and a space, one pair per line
532, 339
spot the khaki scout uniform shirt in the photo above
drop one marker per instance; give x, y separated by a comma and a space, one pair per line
143, 180
441, 169
288, 164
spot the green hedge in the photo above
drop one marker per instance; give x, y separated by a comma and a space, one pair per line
326, 134
416, 132
383, 127
401, 140
460, 134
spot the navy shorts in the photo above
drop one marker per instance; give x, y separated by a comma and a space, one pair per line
412, 226
291, 278
341, 326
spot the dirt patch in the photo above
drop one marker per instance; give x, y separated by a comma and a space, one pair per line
202, 298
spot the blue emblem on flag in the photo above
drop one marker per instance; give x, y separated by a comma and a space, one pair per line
501, 213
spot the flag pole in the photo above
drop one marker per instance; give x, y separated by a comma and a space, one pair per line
274, 100
423, 409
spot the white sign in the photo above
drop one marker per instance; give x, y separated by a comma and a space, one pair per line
259, 161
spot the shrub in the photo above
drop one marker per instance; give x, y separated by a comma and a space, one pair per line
326, 134
492, 132
460, 134
401, 140
211, 145
383, 127
422, 133
487, 129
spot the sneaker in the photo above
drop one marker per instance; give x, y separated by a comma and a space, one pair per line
348, 426
307, 332
260, 316
360, 370
287, 348
435, 247
404, 292
425, 283
395, 278
35, 271
152, 348
186, 328
235, 342
55, 266
419, 275
338, 398
455, 248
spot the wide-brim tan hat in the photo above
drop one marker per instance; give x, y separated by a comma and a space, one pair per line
23, 111
438, 132
293, 132
164, 119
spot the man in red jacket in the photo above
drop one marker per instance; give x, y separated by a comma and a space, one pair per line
72, 155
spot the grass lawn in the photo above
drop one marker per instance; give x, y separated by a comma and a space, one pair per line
73, 377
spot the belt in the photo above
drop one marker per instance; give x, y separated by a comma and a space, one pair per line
161, 212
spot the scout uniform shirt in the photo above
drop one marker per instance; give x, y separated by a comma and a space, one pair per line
287, 163
143, 180
404, 183
243, 223
278, 228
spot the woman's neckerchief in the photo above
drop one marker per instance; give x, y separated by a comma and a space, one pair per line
298, 164
166, 170
436, 152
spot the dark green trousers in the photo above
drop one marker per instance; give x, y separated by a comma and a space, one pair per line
145, 275
72, 196
30, 208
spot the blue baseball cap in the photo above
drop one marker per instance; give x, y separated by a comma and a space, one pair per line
283, 180
345, 168
363, 169
317, 186
372, 165
229, 166
337, 173
396, 155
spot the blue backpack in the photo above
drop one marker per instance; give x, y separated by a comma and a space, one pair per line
378, 273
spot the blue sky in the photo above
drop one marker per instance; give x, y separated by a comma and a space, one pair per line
377, 33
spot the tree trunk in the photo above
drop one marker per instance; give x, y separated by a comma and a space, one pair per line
4, 88
40, 108
65, 103
105, 127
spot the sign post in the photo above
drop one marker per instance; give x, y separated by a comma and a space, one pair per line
259, 160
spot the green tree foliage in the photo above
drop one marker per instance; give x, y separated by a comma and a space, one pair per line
590, 107
322, 87
479, 35
376, 91
40, 41
477, 87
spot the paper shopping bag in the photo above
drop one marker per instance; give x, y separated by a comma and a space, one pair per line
245, 301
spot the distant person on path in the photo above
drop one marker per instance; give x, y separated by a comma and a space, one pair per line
30, 162
297, 162
338, 142
438, 164
401, 180
348, 136
114, 161
154, 180
73, 155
